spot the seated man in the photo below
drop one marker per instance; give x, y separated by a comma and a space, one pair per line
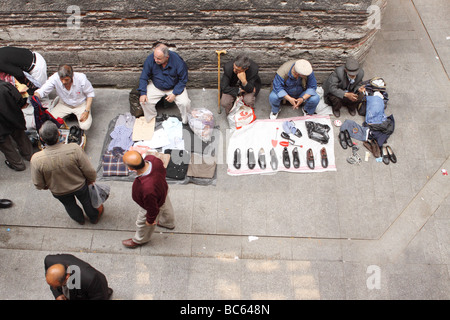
240, 77
344, 88
295, 82
75, 92
169, 75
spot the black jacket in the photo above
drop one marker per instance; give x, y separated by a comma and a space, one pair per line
11, 114
93, 286
230, 83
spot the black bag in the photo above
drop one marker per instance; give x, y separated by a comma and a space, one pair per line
318, 131
373, 85
135, 106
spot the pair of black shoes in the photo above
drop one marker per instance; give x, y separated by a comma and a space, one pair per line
345, 140
388, 155
287, 160
75, 135
251, 162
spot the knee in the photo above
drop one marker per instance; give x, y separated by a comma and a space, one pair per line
273, 99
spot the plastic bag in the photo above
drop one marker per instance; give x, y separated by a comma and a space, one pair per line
201, 121
241, 114
318, 131
99, 193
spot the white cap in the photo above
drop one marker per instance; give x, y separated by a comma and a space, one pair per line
303, 67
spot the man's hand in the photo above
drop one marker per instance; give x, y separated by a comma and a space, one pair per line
150, 224
37, 94
243, 77
362, 89
143, 98
84, 116
351, 96
61, 297
170, 98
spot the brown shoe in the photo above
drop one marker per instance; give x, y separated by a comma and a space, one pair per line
376, 149
129, 243
100, 212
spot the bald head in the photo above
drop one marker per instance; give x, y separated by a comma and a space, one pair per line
161, 54
133, 159
56, 275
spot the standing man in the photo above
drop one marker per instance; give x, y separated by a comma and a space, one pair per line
150, 192
75, 92
65, 170
296, 83
240, 77
12, 128
87, 283
169, 75
344, 87
23, 64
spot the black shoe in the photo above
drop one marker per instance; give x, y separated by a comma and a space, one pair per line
237, 158
297, 133
12, 167
273, 160
337, 113
348, 139
286, 160
310, 159
391, 154
342, 140
385, 155
5, 203
295, 158
262, 159
251, 159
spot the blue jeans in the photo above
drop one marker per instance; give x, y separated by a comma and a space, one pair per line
310, 105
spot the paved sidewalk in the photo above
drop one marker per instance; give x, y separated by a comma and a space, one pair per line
318, 236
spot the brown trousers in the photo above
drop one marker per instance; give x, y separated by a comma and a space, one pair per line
227, 101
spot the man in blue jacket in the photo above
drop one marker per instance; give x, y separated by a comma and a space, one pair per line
296, 83
169, 75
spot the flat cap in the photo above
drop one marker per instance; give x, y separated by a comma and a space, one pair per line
303, 67
352, 66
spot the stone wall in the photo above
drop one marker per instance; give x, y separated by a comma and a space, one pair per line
110, 40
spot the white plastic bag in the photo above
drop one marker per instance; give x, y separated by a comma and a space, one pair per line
201, 121
99, 193
240, 115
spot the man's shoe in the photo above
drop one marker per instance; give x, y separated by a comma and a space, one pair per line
12, 167
237, 158
376, 149
129, 243
385, 155
273, 160
342, 140
5, 203
100, 212
391, 154
310, 159
286, 160
348, 139
295, 158
352, 112
251, 159
273, 116
324, 157
337, 113
262, 159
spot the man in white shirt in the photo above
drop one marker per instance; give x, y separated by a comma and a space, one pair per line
75, 92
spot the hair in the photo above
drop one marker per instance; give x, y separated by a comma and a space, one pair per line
65, 71
49, 133
242, 61
163, 48
139, 166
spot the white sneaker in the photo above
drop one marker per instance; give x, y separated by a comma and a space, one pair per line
273, 116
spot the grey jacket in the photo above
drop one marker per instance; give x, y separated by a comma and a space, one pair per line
337, 83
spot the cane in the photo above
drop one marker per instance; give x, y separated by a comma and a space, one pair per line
219, 52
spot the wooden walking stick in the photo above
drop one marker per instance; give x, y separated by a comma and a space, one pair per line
219, 52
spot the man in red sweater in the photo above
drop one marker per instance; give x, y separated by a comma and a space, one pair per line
150, 192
